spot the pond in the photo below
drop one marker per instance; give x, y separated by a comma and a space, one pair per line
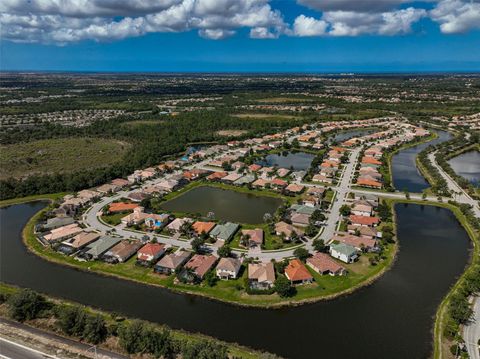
392, 318
467, 165
405, 173
296, 160
227, 205
346, 135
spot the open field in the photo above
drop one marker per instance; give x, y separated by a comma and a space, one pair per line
231, 133
265, 116
59, 155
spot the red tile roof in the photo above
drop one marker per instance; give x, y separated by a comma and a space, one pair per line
296, 271
367, 221
121, 206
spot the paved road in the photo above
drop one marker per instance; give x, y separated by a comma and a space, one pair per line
461, 195
13, 350
342, 190
471, 332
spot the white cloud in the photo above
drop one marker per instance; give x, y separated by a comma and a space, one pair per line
355, 5
262, 33
215, 34
62, 21
455, 16
308, 26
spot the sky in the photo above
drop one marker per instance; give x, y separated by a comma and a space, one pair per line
299, 36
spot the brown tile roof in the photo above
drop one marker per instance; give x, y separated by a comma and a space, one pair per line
322, 262
368, 221
150, 249
201, 264
262, 272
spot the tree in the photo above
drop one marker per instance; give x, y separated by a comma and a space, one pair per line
384, 212
311, 230
317, 215
319, 245
301, 253
95, 330
71, 320
131, 336
210, 278
26, 305
345, 210
283, 287
197, 244
224, 251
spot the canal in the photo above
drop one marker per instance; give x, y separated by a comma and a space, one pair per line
405, 173
467, 165
392, 318
227, 205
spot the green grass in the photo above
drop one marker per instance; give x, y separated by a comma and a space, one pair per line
59, 155
113, 219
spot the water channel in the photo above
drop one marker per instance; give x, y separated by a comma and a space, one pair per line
467, 165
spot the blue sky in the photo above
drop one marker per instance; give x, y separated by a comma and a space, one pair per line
328, 36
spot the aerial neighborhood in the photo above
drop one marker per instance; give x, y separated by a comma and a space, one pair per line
318, 226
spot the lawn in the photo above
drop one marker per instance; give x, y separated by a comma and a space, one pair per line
59, 155
114, 219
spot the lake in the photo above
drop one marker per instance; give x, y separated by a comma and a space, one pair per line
296, 160
405, 173
467, 165
227, 205
346, 135
392, 318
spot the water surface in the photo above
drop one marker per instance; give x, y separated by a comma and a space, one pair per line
296, 160
405, 173
346, 135
227, 205
467, 165
392, 318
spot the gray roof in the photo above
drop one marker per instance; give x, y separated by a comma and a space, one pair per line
100, 246
303, 209
344, 248
56, 222
224, 231
249, 178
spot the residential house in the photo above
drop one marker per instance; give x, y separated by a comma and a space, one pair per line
150, 253
287, 230
57, 222
176, 225
255, 237
168, 185
367, 232
171, 262
135, 218
201, 264
96, 249
157, 221
118, 207
283, 172
120, 182
77, 242
344, 252
300, 219
231, 177
122, 251
323, 264
261, 276
107, 189
362, 209
224, 232
294, 188
297, 273
216, 176
364, 221
359, 243
228, 268
200, 227
62, 233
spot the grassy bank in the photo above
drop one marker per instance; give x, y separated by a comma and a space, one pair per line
37, 197
47, 323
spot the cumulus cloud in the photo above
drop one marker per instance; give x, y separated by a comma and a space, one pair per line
65, 21
62, 21
455, 16
308, 26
